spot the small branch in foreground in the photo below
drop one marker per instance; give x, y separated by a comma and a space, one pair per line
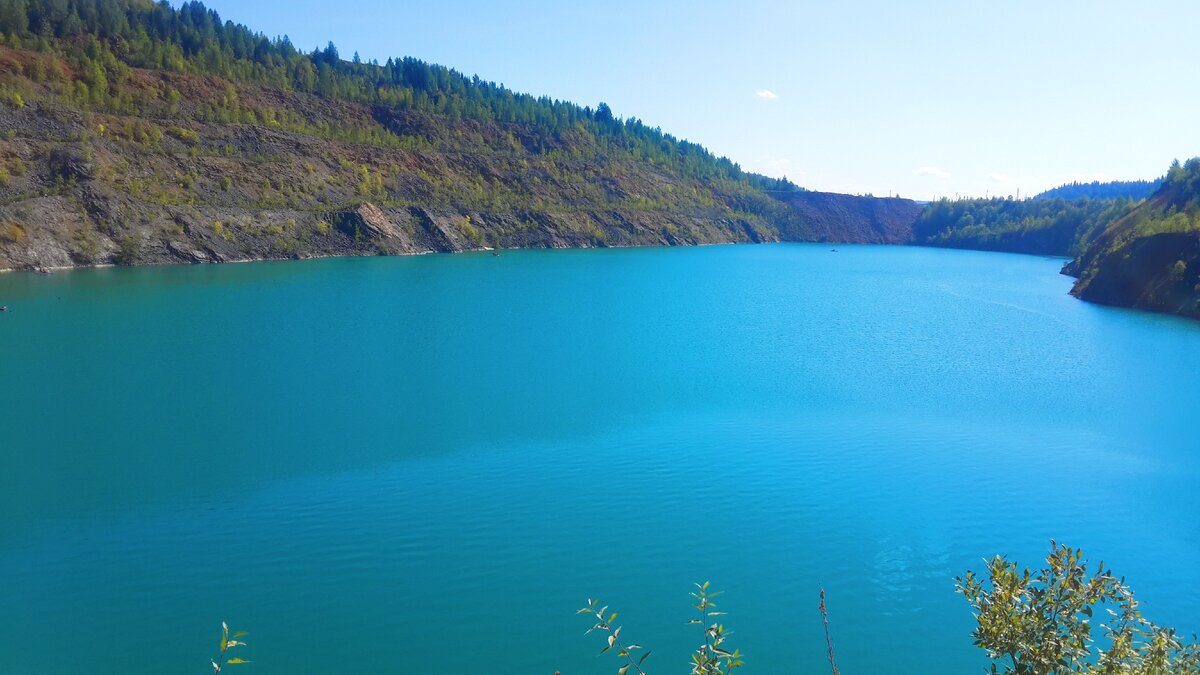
614, 638
228, 643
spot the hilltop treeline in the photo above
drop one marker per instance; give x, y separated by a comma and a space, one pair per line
102, 39
1127, 189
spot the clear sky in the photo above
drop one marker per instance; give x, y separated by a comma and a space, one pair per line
923, 99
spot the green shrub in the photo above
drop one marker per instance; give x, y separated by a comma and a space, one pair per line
1041, 622
14, 99
12, 232
130, 250
471, 232
1178, 270
184, 135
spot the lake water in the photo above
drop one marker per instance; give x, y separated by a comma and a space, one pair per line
427, 464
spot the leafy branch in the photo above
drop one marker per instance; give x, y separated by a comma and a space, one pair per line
712, 658
614, 638
228, 643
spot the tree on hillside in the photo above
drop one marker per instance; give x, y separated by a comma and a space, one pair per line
604, 113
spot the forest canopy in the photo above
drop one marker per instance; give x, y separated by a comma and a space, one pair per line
103, 39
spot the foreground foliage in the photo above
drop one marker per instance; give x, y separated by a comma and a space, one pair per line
227, 642
712, 657
1065, 618
1068, 618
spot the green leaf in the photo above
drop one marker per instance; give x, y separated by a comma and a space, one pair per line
237, 661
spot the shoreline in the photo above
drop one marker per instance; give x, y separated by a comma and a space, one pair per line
1062, 260
407, 254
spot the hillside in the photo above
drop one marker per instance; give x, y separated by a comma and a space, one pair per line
1150, 258
135, 133
1053, 226
824, 216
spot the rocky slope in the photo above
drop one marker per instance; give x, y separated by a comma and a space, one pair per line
83, 188
824, 216
1149, 259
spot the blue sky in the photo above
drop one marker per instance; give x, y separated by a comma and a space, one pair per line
921, 99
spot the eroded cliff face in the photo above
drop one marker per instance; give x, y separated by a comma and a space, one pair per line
1150, 258
89, 226
84, 189
219, 171
62, 231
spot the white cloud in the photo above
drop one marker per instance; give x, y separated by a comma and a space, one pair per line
767, 94
931, 171
1000, 177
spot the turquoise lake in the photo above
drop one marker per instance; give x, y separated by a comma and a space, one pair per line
427, 464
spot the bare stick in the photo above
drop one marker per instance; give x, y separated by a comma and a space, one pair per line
828, 640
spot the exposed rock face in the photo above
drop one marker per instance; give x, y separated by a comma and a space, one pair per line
369, 222
85, 188
90, 224
70, 231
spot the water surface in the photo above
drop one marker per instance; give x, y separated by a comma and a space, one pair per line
427, 464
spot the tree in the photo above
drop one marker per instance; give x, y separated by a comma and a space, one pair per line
1041, 623
14, 15
604, 113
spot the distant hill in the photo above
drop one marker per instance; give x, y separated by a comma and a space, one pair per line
1129, 189
1126, 251
132, 132
1150, 257
1052, 226
823, 216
